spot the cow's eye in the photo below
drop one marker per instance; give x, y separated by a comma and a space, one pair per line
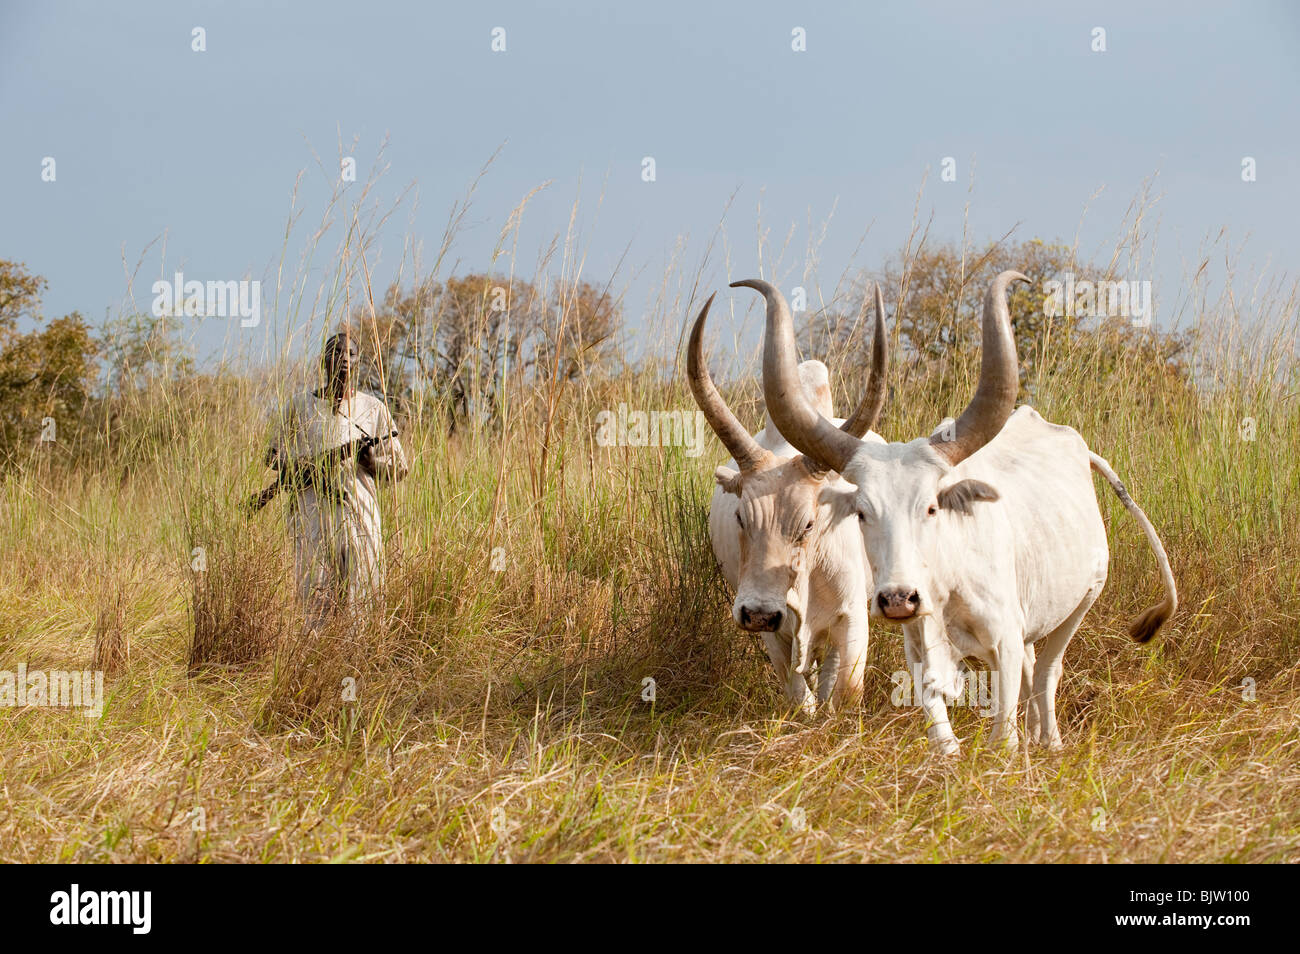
931, 510
739, 521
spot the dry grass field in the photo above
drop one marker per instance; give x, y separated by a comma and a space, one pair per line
498, 711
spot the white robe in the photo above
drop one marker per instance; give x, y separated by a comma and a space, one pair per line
338, 537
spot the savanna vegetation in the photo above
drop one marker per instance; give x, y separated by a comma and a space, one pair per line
498, 708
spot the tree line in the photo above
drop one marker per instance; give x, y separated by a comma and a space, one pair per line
457, 346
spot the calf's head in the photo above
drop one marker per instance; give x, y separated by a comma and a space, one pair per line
906, 495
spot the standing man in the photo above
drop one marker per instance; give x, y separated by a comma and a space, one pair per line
334, 511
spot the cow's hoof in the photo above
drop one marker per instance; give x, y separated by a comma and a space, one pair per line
803, 710
946, 747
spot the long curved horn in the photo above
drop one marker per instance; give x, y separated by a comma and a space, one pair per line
797, 420
873, 401
995, 396
730, 431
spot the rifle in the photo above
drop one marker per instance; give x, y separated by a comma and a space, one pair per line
302, 473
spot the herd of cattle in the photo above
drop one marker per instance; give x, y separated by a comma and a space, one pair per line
984, 540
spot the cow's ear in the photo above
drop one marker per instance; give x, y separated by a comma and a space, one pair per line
842, 502
959, 497
728, 480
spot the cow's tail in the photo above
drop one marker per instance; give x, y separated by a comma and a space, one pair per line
1153, 617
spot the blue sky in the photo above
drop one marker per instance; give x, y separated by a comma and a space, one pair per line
151, 137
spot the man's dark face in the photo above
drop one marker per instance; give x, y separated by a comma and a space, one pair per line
338, 361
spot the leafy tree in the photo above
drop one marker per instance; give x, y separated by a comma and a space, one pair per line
46, 373
138, 349
578, 330
459, 343
940, 293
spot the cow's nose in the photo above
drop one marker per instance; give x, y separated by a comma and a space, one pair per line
760, 621
898, 602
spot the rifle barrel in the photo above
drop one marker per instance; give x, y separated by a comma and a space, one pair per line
304, 471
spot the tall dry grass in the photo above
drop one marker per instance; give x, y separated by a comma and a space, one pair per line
498, 714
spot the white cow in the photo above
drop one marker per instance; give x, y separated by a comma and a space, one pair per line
799, 574
987, 534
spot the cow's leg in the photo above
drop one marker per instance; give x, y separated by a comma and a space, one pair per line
1008, 669
1027, 691
1047, 671
847, 643
778, 653
828, 670
799, 684
925, 645
795, 685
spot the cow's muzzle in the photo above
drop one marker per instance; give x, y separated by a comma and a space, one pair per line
898, 602
756, 620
